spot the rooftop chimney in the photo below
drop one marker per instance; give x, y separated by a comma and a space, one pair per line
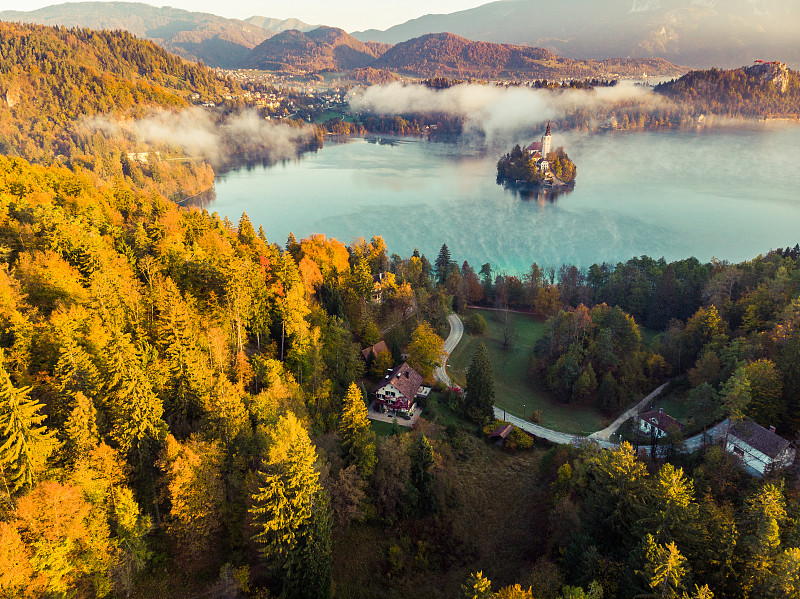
772, 429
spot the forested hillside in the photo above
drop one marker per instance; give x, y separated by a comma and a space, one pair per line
445, 54
319, 49
54, 78
197, 36
764, 89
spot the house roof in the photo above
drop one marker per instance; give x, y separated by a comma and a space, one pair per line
405, 379
760, 438
376, 349
661, 421
502, 431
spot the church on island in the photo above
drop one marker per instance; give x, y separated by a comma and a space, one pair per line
538, 151
537, 166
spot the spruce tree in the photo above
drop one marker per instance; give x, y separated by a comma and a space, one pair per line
442, 264
422, 474
289, 511
25, 444
358, 440
480, 386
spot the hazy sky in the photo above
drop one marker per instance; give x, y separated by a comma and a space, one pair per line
350, 15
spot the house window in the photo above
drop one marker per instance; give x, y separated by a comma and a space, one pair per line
738, 451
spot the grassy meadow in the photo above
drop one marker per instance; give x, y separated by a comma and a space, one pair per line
514, 389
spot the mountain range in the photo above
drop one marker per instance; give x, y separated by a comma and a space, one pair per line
436, 55
217, 41
699, 33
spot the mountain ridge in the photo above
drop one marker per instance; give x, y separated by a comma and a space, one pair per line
217, 41
435, 55
680, 31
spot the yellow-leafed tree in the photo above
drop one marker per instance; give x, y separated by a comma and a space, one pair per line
291, 513
358, 440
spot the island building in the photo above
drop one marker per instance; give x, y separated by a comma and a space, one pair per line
539, 150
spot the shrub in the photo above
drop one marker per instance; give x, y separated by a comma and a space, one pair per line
476, 324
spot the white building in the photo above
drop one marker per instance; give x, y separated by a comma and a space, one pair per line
658, 424
759, 448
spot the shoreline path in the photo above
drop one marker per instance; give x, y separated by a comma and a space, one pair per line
601, 437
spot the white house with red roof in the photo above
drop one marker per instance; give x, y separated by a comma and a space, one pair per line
397, 391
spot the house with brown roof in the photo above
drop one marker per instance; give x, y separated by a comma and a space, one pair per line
658, 424
398, 389
759, 448
373, 350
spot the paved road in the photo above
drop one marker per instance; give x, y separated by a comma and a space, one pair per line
600, 438
456, 332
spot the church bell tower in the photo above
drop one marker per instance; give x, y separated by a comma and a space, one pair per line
546, 142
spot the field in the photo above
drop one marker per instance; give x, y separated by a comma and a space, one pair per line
514, 391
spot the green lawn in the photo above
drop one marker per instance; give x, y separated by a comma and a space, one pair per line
332, 114
514, 390
384, 429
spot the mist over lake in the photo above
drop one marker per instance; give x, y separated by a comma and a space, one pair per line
729, 193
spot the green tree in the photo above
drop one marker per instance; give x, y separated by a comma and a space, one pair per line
25, 444
477, 587
666, 569
480, 386
735, 397
289, 509
358, 439
764, 513
442, 264
766, 392
422, 475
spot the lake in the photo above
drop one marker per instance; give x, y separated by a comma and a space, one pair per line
730, 193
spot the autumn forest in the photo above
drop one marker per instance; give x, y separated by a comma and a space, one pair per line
183, 401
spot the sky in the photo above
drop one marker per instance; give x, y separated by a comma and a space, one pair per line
350, 15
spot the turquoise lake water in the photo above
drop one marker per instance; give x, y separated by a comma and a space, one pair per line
731, 193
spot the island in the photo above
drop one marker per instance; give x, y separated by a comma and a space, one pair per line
536, 167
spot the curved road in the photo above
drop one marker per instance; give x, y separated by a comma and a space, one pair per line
456, 332
601, 438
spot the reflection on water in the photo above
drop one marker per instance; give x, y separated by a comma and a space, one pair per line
671, 193
536, 193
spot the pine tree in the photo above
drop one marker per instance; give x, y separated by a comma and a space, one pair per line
422, 474
480, 386
443, 264
25, 444
358, 440
287, 506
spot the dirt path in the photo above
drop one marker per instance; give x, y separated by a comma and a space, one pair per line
605, 434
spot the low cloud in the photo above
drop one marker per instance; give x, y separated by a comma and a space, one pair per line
495, 110
196, 133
